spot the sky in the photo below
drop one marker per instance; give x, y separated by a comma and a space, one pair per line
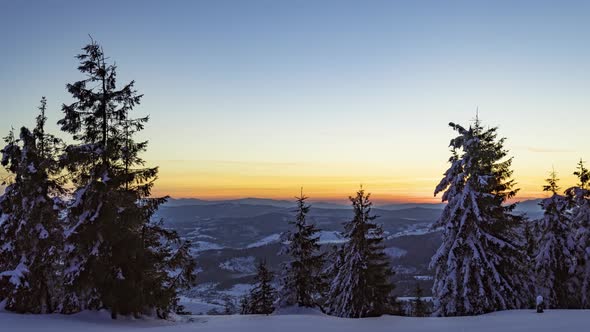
260, 98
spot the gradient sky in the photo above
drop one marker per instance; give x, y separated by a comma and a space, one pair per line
259, 98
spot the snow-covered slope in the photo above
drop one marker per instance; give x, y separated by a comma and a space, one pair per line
507, 321
265, 241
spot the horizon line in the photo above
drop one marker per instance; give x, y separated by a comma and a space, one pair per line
338, 201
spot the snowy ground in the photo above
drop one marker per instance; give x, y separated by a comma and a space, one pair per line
508, 321
199, 306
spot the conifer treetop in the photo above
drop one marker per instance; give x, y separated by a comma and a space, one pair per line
552, 181
583, 174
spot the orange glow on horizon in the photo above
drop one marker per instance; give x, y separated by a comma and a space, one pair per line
216, 180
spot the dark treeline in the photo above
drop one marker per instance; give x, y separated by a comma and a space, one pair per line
77, 228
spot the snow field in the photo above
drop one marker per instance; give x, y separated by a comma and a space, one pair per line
505, 321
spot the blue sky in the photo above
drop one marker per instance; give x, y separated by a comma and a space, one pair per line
326, 94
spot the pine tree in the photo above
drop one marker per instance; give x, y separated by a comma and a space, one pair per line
261, 299
419, 305
554, 259
229, 307
362, 277
579, 197
302, 282
481, 265
244, 305
30, 229
116, 256
583, 175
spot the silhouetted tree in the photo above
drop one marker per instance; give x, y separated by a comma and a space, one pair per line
362, 276
244, 305
302, 282
419, 305
262, 296
117, 257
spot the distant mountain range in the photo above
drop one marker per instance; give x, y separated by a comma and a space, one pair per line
530, 207
250, 201
286, 204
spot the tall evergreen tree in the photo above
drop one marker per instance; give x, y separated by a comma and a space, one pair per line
262, 296
579, 195
117, 257
30, 229
419, 305
480, 265
302, 282
579, 198
362, 276
554, 259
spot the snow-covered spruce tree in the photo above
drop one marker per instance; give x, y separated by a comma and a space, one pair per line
262, 297
481, 264
554, 259
579, 195
30, 228
302, 283
116, 256
362, 276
